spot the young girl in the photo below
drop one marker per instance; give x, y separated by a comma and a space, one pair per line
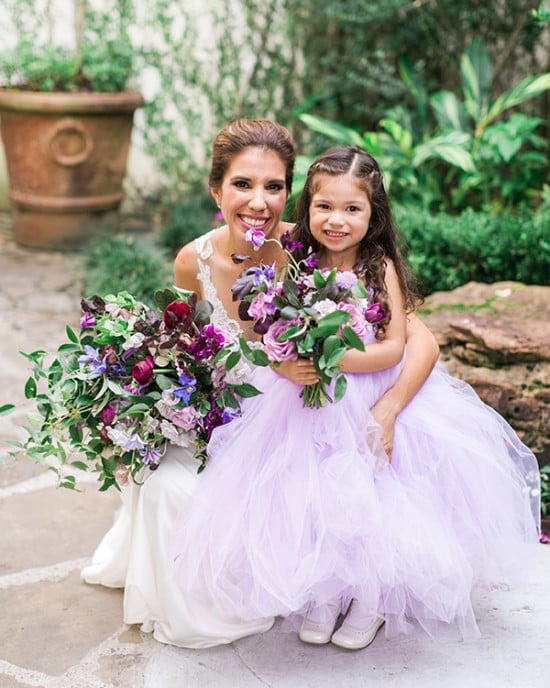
301, 515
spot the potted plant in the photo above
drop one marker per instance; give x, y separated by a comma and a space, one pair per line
66, 118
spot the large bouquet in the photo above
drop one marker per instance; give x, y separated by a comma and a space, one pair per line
131, 382
307, 312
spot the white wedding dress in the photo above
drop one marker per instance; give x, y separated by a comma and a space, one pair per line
135, 553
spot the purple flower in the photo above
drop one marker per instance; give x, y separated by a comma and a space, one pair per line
87, 320
133, 441
262, 305
356, 321
280, 351
374, 313
150, 456
255, 237
90, 355
346, 279
311, 261
263, 274
208, 343
288, 243
188, 385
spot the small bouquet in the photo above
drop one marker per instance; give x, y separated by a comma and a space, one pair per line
307, 312
131, 382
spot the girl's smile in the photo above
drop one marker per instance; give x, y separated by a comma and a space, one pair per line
339, 216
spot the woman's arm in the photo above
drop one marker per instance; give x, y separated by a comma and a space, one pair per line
186, 268
422, 355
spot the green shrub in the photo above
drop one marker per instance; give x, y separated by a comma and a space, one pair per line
186, 221
446, 251
126, 263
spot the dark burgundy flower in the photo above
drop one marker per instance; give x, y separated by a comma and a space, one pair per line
107, 414
142, 372
176, 313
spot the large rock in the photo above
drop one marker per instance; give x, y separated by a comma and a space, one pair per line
496, 337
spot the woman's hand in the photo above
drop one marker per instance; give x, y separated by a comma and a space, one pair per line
301, 371
385, 414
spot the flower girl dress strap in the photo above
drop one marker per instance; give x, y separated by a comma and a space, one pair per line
204, 248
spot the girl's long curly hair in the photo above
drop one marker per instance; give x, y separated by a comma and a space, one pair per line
381, 241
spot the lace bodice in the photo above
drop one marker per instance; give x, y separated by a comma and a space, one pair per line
203, 246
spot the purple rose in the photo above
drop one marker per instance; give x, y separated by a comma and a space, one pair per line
374, 313
142, 372
280, 351
356, 321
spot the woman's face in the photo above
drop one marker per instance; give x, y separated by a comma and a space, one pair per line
253, 192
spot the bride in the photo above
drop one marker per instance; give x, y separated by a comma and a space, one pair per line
250, 179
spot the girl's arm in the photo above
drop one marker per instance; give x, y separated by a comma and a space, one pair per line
422, 355
389, 351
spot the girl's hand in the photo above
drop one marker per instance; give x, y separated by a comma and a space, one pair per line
301, 371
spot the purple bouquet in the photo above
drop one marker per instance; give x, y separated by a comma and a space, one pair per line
131, 382
309, 312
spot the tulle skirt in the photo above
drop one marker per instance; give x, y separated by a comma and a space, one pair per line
299, 506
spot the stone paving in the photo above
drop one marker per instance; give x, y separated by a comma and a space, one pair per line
58, 632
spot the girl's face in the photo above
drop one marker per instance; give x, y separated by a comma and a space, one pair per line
253, 192
339, 216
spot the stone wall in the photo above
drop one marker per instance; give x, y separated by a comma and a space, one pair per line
496, 337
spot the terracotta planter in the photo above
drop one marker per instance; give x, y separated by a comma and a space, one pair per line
66, 155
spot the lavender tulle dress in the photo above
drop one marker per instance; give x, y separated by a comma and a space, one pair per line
299, 506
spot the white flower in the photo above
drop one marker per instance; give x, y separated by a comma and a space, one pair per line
134, 341
172, 434
325, 307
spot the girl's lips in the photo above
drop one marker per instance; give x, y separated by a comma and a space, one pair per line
334, 235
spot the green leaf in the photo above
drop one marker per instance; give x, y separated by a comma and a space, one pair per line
75, 434
352, 339
450, 148
232, 360
335, 357
400, 135
246, 390
340, 387
525, 90
334, 318
289, 313
332, 130
229, 400
475, 67
71, 335
80, 465
292, 292
6, 408
293, 332
259, 357
449, 111
162, 297
203, 312
318, 280
30, 388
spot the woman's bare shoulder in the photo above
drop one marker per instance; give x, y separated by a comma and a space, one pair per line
186, 268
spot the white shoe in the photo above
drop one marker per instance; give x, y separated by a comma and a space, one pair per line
319, 632
358, 630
